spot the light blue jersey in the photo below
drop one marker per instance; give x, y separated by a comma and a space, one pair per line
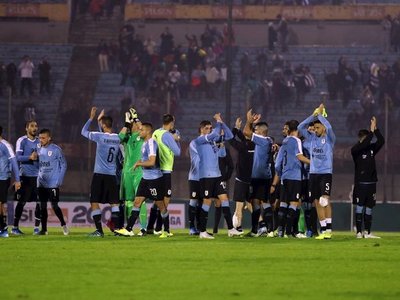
8, 161
52, 166
149, 148
287, 165
262, 160
208, 151
106, 150
321, 148
194, 162
24, 148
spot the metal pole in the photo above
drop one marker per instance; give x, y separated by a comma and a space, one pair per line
228, 93
385, 172
9, 114
168, 102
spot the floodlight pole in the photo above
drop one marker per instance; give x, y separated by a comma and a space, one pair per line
228, 92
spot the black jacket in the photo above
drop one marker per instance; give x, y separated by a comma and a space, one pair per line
245, 149
364, 157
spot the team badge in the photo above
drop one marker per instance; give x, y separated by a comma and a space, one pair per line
323, 141
50, 153
364, 156
169, 192
193, 194
206, 193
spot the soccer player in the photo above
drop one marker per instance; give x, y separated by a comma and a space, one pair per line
365, 177
8, 163
26, 150
132, 143
104, 188
321, 167
167, 139
195, 199
310, 212
261, 172
151, 185
211, 184
52, 168
288, 169
241, 194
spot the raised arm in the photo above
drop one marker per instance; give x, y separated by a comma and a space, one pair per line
329, 131
227, 131
361, 146
303, 127
85, 130
380, 140
211, 137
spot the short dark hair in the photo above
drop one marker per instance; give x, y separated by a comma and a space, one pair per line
362, 133
317, 122
29, 122
1, 130
107, 120
311, 124
45, 131
148, 125
292, 125
167, 118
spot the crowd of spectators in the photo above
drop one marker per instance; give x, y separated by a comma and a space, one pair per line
153, 70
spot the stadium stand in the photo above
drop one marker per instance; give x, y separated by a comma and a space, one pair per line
46, 106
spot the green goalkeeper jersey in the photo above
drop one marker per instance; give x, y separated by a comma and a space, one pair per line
133, 151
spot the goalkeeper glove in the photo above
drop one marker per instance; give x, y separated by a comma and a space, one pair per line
133, 113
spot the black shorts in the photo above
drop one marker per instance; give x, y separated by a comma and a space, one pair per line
241, 191
260, 189
212, 187
194, 190
4, 186
152, 189
305, 195
290, 191
28, 191
104, 189
48, 194
167, 185
319, 185
364, 195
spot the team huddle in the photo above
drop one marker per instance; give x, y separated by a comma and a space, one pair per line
273, 182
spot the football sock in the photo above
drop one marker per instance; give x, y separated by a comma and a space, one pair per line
314, 220
323, 225
159, 221
132, 219
203, 217
43, 215
192, 212
282, 212
368, 219
2, 222
37, 214
290, 219
121, 220
217, 218
165, 220
296, 221
255, 216
268, 216
128, 208
307, 215
115, 216
18, 213
328, 224
226, 210
143, 215
359, 217
58, 212
152, 217
96, 215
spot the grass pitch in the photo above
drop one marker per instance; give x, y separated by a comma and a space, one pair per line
185, 267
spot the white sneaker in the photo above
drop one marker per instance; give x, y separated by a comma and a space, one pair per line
271, 234
157, 232
234, 232
206, 235
235, 221
301, 236
262, 231
359, 235
65, 230
370, 236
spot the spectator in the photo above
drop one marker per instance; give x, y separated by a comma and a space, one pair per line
96, 8
262, 64
387, 33
332, 84
272, 37
167, 43
26, 68
174, 77
102, 53
197, 80
113, 51
283, 32
44, 76
12, 72
212, 77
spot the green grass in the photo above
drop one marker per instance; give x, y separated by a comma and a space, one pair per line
185, 267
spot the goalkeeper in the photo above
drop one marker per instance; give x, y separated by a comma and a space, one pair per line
132, 143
